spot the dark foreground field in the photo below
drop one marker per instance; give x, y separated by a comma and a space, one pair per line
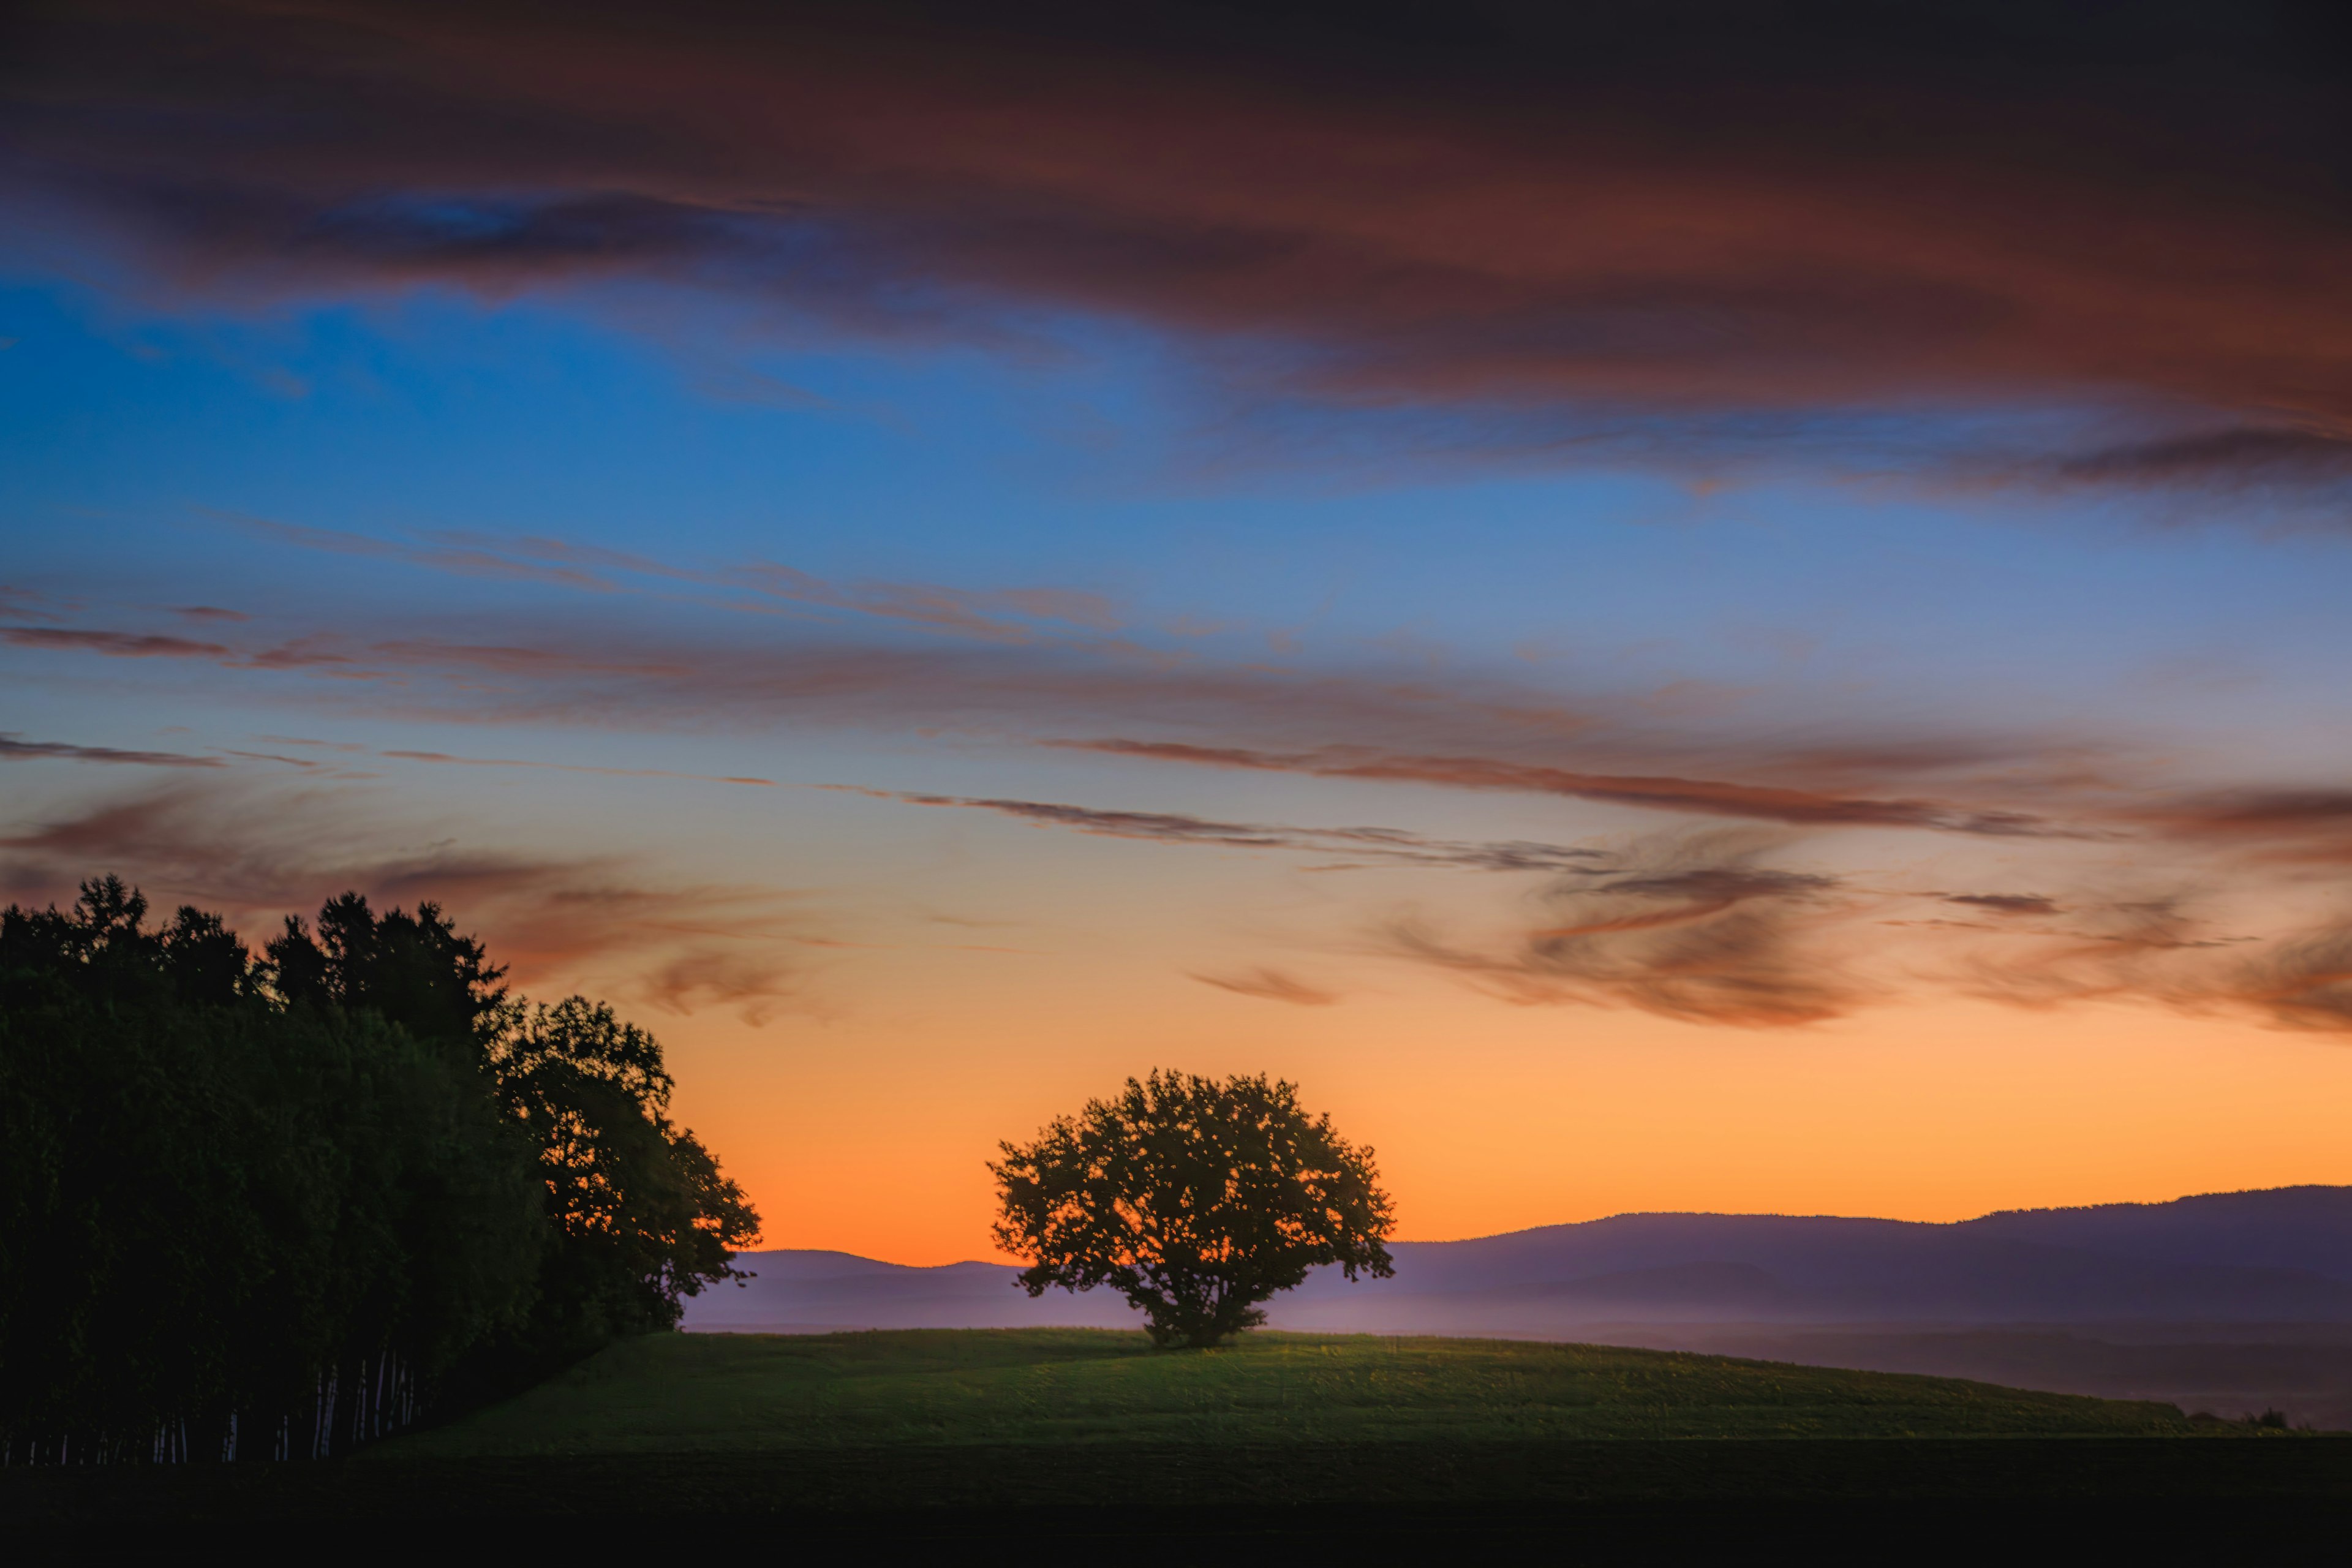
971, 1434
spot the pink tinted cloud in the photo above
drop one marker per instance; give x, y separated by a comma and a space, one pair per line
1674, 225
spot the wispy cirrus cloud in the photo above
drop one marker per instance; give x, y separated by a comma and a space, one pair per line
31, 603
1011, 614
2303, 823
1702, 927
1710, 797
2004, 903
2304, 983
1372, 846
349, 748
460, 558
2166, 950
754, 984
1271, 986
1693, 928
1716, 925
112, 644
15, 748
448, 759
1469, 732
1757, 939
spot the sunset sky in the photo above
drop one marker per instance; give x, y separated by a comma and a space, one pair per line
1742, 609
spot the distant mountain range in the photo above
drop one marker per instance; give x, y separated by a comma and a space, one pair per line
2121, 1299
2280, 1256
2268, 1256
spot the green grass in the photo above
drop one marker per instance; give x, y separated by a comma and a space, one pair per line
740, 1394
988, 1435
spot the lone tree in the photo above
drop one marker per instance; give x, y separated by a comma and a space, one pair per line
1195, 1200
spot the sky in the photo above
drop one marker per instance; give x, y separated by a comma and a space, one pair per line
1691, 609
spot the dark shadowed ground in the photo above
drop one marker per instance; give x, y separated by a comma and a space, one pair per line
988, 1439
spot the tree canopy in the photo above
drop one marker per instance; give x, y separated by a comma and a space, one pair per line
1196, 1200
274, 1206
641, 1214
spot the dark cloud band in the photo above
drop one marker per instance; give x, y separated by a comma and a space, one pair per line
1672, 225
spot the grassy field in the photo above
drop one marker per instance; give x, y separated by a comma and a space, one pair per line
742, 1393
971, 1435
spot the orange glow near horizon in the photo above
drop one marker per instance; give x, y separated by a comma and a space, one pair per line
1916, 1113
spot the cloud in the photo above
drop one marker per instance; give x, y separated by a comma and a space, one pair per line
1701, 933
2004, 903
25, 603
1690, 224
1462, 731
113, 644
447, 759
2241, 458
307, 764
755, 985
2170, 951
12, 748
2306, 983
208, 613
1706, 796
1271, 986
2300, 823
1751, 939
1700, 928
258, 855
458, 561
603, 671
1718, 926
1377, 845
1468, 731
993, 615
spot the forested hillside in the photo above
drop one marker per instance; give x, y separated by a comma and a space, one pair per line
275, 1204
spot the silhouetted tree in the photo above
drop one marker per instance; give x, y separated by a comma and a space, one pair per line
227, 1226
273, 1209
642, 1216
1195, 1200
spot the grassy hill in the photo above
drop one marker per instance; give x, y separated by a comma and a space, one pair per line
718, 1393
969, 1435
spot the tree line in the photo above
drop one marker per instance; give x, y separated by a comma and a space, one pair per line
275, 1204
